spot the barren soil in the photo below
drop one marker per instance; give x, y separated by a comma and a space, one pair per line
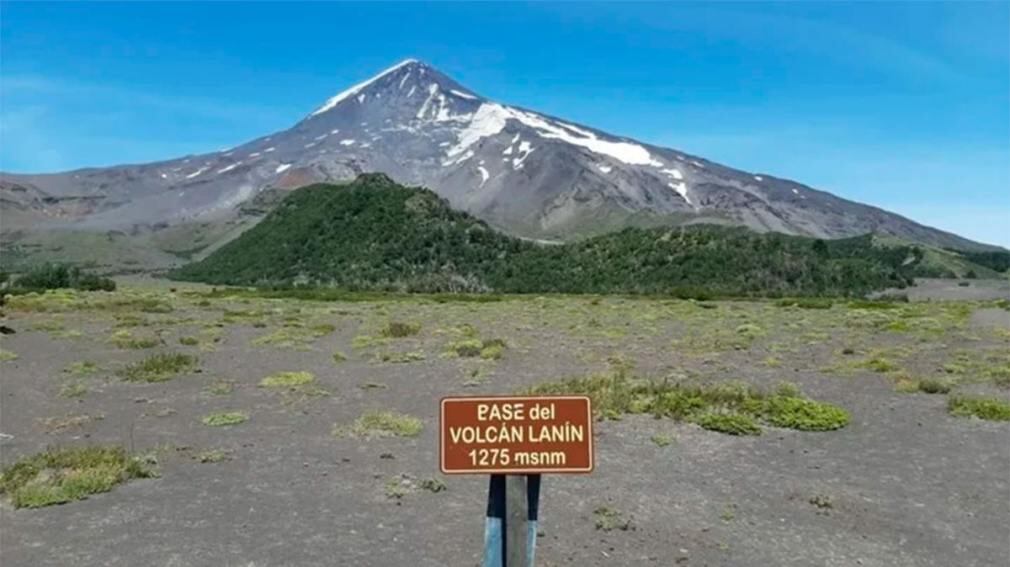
904, 484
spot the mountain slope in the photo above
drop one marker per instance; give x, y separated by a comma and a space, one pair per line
527, 173
376, 234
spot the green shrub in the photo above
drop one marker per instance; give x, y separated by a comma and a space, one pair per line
933, 386
488, 349
991, 409
400, 329
805, 415
466, 348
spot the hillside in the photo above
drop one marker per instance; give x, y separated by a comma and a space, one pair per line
376, 234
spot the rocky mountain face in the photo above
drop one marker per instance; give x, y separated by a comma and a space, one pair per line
529, 174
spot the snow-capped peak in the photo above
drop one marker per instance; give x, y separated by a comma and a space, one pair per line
340, 97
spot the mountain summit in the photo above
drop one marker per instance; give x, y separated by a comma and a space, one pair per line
527, 173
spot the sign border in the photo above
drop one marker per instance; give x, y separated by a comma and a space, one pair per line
514, 471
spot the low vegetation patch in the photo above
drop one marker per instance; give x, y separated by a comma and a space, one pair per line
73, 389
64, 475
294, 336
934, 386
159, 367
212, 456
220, 388
432, 485
125, 339
384, 424
804, 414
288, 380
880, 364
731, 407
988, 408
400, 329
82, 368
223, 419
806, 302
401, 357
6, 355
297, 386
60, 424
662, 440
488, 349
731, 423
608, 519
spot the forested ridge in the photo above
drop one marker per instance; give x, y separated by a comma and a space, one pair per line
373, 234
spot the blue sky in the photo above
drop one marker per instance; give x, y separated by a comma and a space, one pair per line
905, 106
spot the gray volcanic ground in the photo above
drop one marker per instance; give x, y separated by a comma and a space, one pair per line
905, 483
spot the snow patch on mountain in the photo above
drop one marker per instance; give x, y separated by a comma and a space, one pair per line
491, 118
197, 172
682, 189
461, 94
335, 100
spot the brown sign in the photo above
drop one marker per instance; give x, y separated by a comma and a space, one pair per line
516, 435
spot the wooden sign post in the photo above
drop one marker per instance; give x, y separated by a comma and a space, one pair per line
515, 439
